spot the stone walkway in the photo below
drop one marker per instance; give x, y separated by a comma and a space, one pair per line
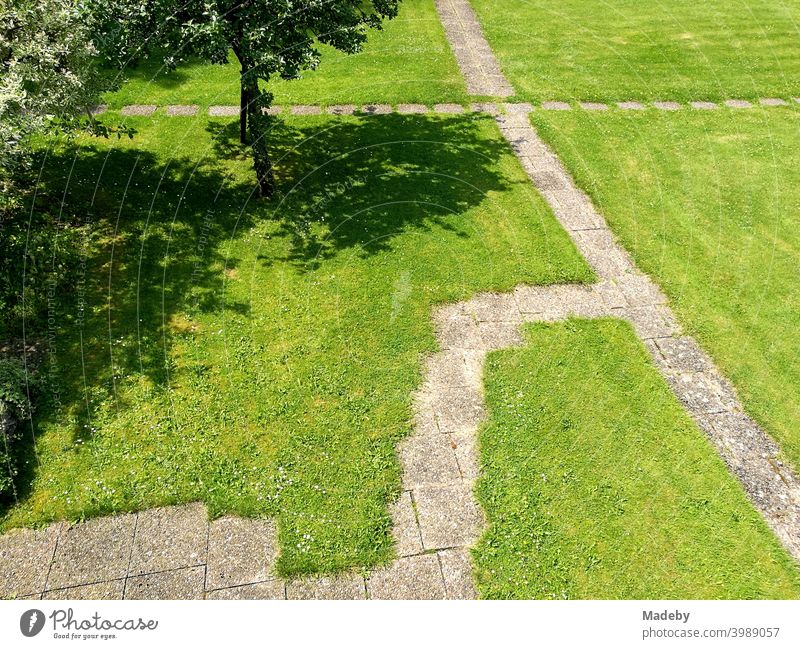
176, 553
147, 110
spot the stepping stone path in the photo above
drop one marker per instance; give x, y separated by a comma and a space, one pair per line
175, 552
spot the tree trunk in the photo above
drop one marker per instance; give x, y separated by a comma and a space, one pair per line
258, 128
243, 102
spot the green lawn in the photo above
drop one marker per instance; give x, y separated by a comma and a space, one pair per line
707, 203
597, 484
408, 61
646, 49
261, 356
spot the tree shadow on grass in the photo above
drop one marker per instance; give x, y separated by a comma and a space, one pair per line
156, 229
353, 184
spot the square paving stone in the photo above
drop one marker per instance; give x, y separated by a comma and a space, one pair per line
458, 409
493, 307
99, 109
639, 289
408, 578
170, 537
141, 110
682, 354
449, 368
240, 551
25, 557
305, 110
459, 332
457, 572
448, 108
652, 321
703, 105
448, 516
97, 550
223, 111
593, 105
376, 109
499, 335
102, 590
342, 109
465, 447
738, 103
428, 459
341, 587
272, 589
412, 109
574, 210
405, 530
698, 392
556, 105
489, 108
514, 121
631, 105
550, 179
272, 110
773, 101
186, 583
181, 110
522, 108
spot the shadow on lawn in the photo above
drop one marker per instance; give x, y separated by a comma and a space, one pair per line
155, 250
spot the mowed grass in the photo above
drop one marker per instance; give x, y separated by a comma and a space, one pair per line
260, 356
645, 49
598, 485
707, 203
408, 61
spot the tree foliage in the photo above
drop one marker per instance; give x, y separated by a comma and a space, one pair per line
269, 38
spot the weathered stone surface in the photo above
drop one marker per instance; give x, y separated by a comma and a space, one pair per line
418, 577
97, 550
522, 108
457, 573
555, 105
773, 101
738, 103
593, 105
703, 105
305, 110
182, 110
683, 355
223, 111
412, 109
428, 459
98, 109
141, 110
340, 587
448, 516
168, 538
186, 583
489, 108
102, 590
25, 557
457, 409
448, 108
376, 109
272, 589
405, 530
240, 551
459, 332
465, 448
342, 109
273, 110
631, 105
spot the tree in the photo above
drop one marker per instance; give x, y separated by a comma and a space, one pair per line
48, 82
268, 37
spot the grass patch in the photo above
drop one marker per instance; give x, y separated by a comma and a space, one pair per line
707, 205
260, 356
648, 50
597, 484
408, 61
